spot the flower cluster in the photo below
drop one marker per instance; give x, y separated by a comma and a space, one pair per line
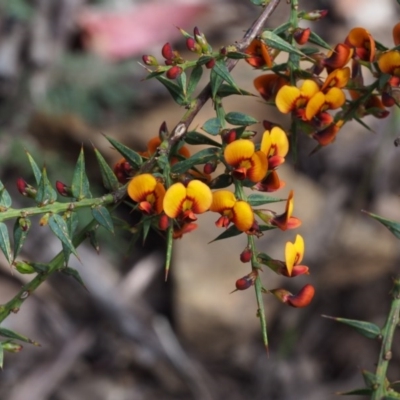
175, 200
309, 96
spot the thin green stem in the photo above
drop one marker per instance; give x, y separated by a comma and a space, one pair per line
386, 347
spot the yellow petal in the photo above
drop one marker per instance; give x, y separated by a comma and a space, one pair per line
314, 105
173, 199
259, 167
222, 200
200, 195
243, 216
335, 98
286, 98
279, 138
309, 88
290, 256
389, 63
337, 78
159, 193
266, 143
299, 247
238, 151
140, 186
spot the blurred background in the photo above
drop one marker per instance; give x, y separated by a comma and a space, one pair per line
69, 73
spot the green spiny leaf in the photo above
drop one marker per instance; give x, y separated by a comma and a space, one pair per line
226, 90
221, 70
181, 81
35, 169
8, 333
21, 229
367, 329
356, 392
5, 199
146, 228
212, 126
131, 156
103, 217
60, 229
194, 79
314, 38
228, 233
282, 28
5, 242
75, 274
93, 240
80, 182
257, 199
237, 118
174, 90
1, 357
370, 379
168, 257
200, 157
273, 40
215, 82
45, 192
71, 220
195, 138
393, 226
110, 181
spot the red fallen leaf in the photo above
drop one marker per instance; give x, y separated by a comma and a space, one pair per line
123, 34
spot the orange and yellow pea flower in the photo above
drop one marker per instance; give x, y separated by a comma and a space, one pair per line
155, 142
333, 99
147, 192
294, 253
245, 160
328, 134
259, 54
396, 34
339, 57
290, 98
389, 63
286, 221
271, 183
184, 202
275, 145
268, 85
337, 78
363, 44
238, 212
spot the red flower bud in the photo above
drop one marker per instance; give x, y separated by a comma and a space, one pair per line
63, 189
228, 135
245, 256
174, 72
192, 45
163, 131
209, 168
244, 283
149, 60
25, 189
301, 35
169, 62
210, 64
167, 51
22, 186
163, 222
